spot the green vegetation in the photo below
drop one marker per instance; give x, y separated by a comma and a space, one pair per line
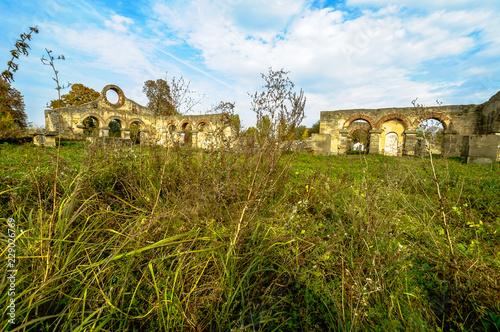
79, 94
158, 239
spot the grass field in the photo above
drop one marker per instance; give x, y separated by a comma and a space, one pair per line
157, 239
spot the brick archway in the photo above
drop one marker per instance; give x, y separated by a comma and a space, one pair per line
393, 116
99, 119
202, 123
445, 121
359, 117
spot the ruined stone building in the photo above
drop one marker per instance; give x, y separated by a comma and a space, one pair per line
470, 131
126, 119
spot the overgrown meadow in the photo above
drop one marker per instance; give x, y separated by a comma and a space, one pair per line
139, 238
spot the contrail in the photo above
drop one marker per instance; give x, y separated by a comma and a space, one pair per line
197, 69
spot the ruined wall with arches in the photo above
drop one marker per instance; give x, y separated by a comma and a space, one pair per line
126, 119
395, 131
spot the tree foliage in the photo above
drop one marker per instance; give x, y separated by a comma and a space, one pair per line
115, 128
228, 108
12, 103
315, 128
78, 95
160, 97
278, 107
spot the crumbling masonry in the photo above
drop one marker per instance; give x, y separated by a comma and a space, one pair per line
133, 121
470, 131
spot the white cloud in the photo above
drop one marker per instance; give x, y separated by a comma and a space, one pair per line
119, 23
384, 55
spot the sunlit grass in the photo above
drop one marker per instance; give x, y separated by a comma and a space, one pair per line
178, 239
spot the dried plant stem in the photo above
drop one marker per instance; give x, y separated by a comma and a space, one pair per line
441, 203
50, 62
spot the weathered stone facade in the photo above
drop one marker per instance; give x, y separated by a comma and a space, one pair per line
197, 130
399, 126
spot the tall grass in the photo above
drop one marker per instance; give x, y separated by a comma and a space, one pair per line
152, 238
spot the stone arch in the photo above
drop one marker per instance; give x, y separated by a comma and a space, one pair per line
119, 92
391, 144
393, 116
445, 121
185, 123
90, 126
360, 138
115, 117
134, 120
115, 132
359, 117
187, 131
135, 126
202, 125
171, 127
357, 128
100, 120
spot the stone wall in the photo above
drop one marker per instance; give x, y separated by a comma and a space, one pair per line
393, 131
400, 125
197, 130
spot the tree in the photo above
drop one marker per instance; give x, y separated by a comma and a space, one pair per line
283, 107
12, 103
299, 132
12, 108
305, 135
315, 128
160, 97
78, 95
263, 128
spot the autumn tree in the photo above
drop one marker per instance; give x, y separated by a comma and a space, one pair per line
12, 103
78, 95
160, 98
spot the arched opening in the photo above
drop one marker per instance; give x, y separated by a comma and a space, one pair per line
187, 133
392, 129
430, 133
112, 96
135, 132
202, 127
91, 126
115, 128
360, 140
391, 147
360, 135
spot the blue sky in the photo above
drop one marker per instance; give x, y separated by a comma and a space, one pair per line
343, 54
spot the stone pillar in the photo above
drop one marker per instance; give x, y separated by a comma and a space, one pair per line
126, 133
103, 131
80, 130
194, 139
449, 147
374, 141
50, 139
410, 141
343, 142
144, 136
38, 139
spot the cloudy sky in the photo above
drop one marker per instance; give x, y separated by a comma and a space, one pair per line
344, 54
